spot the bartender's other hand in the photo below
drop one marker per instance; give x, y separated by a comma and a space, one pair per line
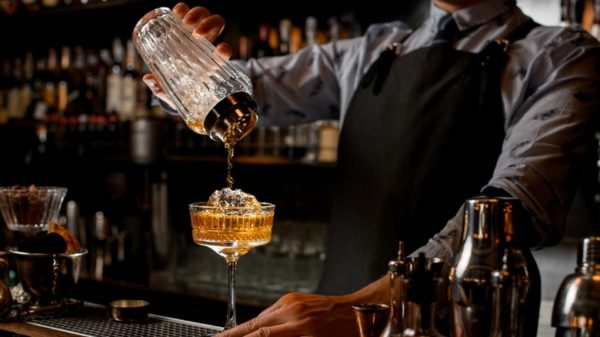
299, 314
152, 83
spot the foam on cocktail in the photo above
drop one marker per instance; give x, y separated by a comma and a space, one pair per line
240, 200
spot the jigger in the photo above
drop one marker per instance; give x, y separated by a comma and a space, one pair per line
371, 318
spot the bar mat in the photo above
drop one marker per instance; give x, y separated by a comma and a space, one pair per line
95, 321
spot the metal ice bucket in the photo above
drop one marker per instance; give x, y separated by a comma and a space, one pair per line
48, 278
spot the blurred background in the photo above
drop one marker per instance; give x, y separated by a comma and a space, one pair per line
74, 113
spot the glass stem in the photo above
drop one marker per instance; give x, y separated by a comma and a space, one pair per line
231, 268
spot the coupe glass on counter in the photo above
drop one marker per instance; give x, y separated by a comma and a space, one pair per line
231, 231
29, 209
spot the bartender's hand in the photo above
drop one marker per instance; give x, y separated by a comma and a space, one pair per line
299, 314
203, 24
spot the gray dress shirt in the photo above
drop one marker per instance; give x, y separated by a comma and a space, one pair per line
550, 92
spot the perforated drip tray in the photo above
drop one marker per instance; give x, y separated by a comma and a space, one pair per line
94, 320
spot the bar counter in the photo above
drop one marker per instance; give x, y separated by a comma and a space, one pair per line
91, 319
94, 320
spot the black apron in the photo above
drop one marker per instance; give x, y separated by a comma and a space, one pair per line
423, 133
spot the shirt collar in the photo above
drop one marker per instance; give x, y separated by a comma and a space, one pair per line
474, 16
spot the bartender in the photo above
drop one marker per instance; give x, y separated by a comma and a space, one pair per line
479, 99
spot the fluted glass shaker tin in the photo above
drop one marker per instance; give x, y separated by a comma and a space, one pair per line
576, 311
488, 272
210, 93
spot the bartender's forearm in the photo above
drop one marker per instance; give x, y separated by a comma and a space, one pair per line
375, 292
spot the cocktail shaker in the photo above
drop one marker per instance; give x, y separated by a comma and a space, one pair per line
576, 311
211, 94
482, 267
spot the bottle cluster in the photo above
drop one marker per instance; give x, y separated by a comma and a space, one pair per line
70, 85
71, 92
24, 7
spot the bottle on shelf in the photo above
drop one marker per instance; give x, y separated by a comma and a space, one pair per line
567, 13
26, 92
129, 85
595, 28
63, 82
50, 3
4, 87
114, 79
285, 30
8, 7
13, 90
262, 47
31, 6
37, 108
310, 30
50, 87
79, 103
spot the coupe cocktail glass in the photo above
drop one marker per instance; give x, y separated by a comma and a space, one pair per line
231, 232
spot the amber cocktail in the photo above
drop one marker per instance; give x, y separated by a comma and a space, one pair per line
231, 231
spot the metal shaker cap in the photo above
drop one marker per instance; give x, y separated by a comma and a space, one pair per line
588, 254
577, 303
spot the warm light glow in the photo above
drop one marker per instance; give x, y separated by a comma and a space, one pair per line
542, 11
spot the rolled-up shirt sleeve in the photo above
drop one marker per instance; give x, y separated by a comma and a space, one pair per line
553, 82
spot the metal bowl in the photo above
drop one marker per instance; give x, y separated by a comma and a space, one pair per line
31, 208
48, 278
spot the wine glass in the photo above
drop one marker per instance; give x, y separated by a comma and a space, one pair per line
231, 231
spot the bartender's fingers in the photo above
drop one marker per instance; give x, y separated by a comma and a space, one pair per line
224, 49
152, 83
210, 27
195, 15
248, 327
181, 9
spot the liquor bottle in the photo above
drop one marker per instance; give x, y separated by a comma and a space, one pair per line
50, 3
8, 7
243, 47
129, 84
567, 13
13, 93
310, 30
63, 81
26, 93
4, 87
262, 47
114, 79
50, 86
334, 29
31, 5
79, 104
285, 30
38, 108
296, 42
595, 28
